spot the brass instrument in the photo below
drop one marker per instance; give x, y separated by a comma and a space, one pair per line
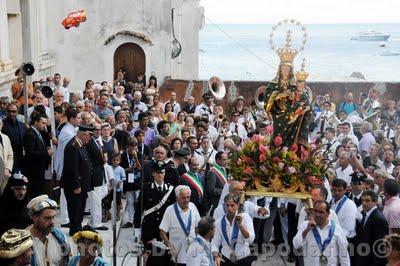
259, 97
217, 87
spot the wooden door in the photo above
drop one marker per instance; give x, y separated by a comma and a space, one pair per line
130, 57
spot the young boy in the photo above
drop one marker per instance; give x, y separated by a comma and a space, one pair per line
106, 201
119, 176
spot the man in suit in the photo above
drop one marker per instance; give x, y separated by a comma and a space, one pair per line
37, 155
196, 184
15, 130
97, 177
216, 179
153, 200
7, 156
370, 231
76, 177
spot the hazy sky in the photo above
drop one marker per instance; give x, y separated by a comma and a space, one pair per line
307, 11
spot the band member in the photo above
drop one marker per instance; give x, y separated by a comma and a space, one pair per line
322, 239
357, 187
234, 232
179, 221
75, 178
153, 200
50, 245
199, 252
205, 154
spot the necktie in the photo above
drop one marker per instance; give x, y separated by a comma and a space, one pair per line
274, 203
159, 189
323, 123
237, 129
364, 217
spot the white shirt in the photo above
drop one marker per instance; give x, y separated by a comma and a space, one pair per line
335, 251
344, 174
242, 249
347, 216
248, 207
66, 134
54, 252
202, 109
170, 224
242, 133
176, 107
142, 108
303, 217
201, 155
196, 255
388, 169
65, 92
30, 111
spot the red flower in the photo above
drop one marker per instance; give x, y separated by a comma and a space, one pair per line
247, 160
262, 158
278, 141
313, 180
269, 129
294, 147
277, 160
263, 149
248, 170
256, 138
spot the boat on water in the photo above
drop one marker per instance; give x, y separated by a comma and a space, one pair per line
389, 53
371, 35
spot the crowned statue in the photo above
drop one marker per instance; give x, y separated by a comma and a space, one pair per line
287, 99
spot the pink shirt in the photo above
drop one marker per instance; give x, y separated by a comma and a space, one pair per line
391, 211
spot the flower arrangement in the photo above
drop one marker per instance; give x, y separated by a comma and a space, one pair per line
264, 164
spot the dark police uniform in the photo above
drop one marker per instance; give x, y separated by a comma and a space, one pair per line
76, 173
151, 196
356, 178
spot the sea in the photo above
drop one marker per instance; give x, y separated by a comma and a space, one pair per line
242, 52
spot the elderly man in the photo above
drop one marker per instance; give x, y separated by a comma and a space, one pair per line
50, 245
16, 248
58, 97
189, 107
75, 179
64, 88
196, 183
199, 252
367, 139
235, 246
344, 170
216, 179
322, 239
179, 221
137, 105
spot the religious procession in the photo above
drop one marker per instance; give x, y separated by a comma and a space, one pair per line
182, 175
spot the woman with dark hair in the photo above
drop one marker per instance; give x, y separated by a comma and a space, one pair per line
120, 81
167, 108
176, 144
151, 90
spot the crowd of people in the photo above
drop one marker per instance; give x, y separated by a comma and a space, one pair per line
168, 163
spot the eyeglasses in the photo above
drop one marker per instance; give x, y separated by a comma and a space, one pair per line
12, 111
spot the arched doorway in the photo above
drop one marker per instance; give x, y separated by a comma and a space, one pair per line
130, 57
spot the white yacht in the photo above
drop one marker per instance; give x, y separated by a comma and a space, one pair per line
371, 35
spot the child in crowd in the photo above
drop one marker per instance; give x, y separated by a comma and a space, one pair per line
119, 177
106, 202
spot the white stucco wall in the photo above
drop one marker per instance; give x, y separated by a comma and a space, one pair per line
80, 52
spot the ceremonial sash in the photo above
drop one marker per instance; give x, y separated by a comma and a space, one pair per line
220, 173
340, 205
235, 233
328, 240
185, 228
207, 250
194, 181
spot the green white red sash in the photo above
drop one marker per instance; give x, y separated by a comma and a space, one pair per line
220, 173
193, 180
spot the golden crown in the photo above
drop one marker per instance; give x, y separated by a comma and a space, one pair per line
287, 53
302, 74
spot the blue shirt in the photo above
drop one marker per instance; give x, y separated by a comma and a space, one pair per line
119, 174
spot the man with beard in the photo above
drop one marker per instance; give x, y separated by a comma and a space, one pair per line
13, 211
50, 246
322, 239
75, 179
16, 248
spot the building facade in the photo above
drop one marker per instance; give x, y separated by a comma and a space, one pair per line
133, 34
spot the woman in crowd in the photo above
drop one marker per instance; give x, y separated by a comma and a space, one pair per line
151, 90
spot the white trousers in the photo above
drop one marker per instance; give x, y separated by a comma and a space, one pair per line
95, 207
63, 218
130, 201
